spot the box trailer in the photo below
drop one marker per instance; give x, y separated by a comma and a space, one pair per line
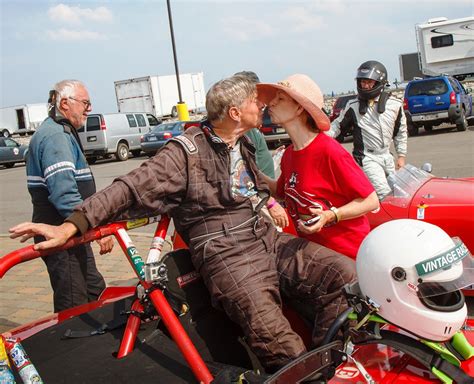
158, 95
22, 119
446, 47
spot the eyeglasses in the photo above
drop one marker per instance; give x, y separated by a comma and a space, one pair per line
86, 103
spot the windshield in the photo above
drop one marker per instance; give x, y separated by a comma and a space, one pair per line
163, 127
404, 183
428, 88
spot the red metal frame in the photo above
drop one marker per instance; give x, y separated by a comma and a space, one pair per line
176, 330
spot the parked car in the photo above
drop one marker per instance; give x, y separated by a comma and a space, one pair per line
434, 101
115, 133
159, 135
275, 135
339, 105
12, 152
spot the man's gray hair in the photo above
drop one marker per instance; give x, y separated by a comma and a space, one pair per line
227, 93
65, 89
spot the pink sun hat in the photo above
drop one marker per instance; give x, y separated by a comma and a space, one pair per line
304, 91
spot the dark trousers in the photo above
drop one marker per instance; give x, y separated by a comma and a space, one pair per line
248, 271
74, 277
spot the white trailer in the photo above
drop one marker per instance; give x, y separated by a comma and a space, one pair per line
158, 95
22, 119
446, 47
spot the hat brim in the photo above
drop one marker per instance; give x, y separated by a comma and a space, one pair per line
266, 93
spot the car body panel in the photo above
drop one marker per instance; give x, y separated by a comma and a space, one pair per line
159, 135
12, 152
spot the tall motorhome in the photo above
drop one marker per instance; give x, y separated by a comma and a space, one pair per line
446, 46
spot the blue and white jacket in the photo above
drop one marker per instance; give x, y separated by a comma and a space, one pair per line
58, 175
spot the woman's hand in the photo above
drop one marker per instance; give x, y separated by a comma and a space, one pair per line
279, 216
325, 217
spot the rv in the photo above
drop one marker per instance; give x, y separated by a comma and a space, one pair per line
22, 119
446, 47
158, 95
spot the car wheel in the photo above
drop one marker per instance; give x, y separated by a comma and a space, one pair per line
461, 123
122, 152
136, 152
9, 165
92, 160
174, 111
5, 133
413, 130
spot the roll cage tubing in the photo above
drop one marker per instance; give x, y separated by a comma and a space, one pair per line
163, 308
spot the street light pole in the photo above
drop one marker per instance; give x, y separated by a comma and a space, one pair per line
181, 107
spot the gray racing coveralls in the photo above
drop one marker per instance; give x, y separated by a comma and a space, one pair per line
373, 133
245, 263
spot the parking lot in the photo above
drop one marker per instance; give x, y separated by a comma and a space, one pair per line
450, 152
25, 293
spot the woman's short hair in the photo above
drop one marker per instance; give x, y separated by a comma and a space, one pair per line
227, 93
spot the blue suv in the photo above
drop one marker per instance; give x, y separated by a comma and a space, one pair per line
436, 100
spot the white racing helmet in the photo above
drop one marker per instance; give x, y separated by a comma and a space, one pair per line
415, 272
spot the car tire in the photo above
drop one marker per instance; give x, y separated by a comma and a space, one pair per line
92, 160
461, 123
174, 111
6, 133
122, 152
136, 152
413, 130
9, 165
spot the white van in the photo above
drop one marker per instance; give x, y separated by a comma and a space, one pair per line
115, 133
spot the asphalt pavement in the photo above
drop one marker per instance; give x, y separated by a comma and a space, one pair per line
25, 293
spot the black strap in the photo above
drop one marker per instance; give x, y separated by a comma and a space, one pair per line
310, 364
106, 327
423, 354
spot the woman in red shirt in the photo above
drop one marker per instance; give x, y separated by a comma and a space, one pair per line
319, 181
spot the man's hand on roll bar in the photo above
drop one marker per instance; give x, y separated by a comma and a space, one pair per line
55, 236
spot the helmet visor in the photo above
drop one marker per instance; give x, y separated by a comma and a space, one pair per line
369, 73
447, 272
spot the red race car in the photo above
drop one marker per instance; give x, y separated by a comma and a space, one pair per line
445, 202
166, 330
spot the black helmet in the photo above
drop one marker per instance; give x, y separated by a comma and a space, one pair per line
372, 70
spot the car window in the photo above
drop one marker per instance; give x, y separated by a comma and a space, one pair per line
455, 86
152, 120
140, 120
442, 41
428, 88
163, 127
131, 121
93, 123
10, 143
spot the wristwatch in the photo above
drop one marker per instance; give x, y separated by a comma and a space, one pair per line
336, 214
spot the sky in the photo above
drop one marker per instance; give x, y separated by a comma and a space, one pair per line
99, 42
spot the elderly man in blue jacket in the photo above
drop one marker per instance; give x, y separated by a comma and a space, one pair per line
59, 179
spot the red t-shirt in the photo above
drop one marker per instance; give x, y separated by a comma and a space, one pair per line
322, 175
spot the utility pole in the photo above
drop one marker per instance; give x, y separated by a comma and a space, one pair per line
181, 107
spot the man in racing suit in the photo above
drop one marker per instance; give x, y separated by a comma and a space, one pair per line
207, 180
376, 118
